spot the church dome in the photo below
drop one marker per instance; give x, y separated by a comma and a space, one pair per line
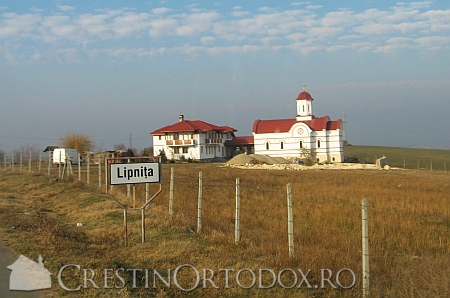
304, 95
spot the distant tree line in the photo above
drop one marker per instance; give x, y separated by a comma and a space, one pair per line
81, 142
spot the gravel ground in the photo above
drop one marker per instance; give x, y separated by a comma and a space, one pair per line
254, 161
296, 167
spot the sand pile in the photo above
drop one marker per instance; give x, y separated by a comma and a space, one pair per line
243, 159
282, 160
256, 161
240, 159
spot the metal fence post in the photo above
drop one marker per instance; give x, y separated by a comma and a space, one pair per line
99, 172
125, 225
49, 163
88, 169
290, 221
200, 198
171, 192
143, 225
59, 166
237, 231
365, 249
21, 162
29, 161
40, 161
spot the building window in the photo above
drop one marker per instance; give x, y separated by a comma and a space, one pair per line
318, 143
185, 149
177, 136
201, 149
301, 144
282, 145
267, 145
160, 138
334, 159
218, 148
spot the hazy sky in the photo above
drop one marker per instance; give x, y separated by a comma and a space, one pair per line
114, 68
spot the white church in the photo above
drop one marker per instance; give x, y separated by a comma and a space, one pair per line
304, 133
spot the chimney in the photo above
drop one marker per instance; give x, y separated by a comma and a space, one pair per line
180, 118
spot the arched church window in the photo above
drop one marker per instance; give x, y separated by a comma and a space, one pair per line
318, 143
301, 144
282, 145
267, 145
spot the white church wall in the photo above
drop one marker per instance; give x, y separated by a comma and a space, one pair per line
330, 149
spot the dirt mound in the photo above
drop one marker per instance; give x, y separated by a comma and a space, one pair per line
260, 158
272, 160
282, 160
256, 159
240, 159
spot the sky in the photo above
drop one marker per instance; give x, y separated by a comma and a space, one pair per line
118, 70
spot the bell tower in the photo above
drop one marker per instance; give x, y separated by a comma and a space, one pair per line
304, 106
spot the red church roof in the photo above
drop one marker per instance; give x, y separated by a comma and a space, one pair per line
304, 95
242, 140
270, 126
195, 126
284, 125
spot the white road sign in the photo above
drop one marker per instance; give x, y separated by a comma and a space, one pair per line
131, 173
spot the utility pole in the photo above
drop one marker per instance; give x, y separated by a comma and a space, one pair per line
343, 128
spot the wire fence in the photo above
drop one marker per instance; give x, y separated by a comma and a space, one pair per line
319, 229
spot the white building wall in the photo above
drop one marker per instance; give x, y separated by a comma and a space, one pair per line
330, 149
199, 150
159, 145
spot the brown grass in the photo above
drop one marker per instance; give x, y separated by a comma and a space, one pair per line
409, 225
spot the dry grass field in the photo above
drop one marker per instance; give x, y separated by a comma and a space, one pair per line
409, 158
409, 225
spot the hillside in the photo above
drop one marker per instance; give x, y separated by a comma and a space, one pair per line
410, 158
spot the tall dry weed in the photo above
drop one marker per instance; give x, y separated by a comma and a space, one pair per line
409, 222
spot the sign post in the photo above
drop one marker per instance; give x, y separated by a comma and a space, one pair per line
146, 170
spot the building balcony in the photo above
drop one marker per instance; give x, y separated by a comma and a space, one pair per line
213, 141
180, 142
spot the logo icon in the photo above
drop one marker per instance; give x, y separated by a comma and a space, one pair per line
27, 275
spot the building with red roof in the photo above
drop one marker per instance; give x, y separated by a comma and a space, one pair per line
304, 133
194, 139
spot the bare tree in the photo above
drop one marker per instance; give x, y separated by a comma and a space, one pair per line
80, 142
147, 152
26, 149
120, 146
2, 156
308, 156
